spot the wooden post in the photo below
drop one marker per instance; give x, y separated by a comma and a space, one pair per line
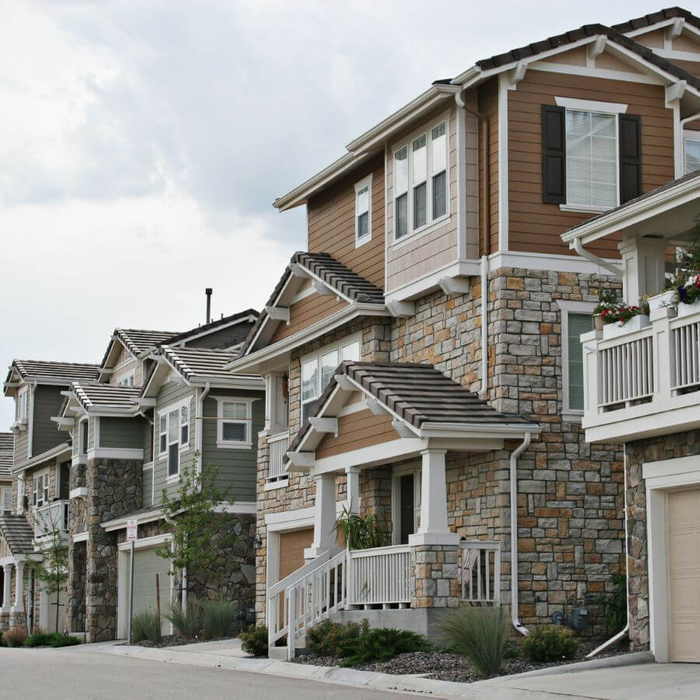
158, 594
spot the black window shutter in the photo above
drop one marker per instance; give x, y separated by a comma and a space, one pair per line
630, 134
553, 155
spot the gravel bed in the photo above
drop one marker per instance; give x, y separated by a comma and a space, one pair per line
452, 667
172, 640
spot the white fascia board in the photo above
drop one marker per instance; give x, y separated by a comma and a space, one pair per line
248, 363
419, 287
243, 382
143, 402
505, 431
120, 523
63, 448
634, 213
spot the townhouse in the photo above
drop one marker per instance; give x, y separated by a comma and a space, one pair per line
422, 357
158, 403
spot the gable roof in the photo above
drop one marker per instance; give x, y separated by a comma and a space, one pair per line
17, 533
654, 18
419, 395
213, 326
136, 341
198, 363
95, 397
51, 372
6, 455
330, 272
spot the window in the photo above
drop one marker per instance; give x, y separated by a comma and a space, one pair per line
128, 380
21, 404
40, 492
422, 164
83, 437
317, 370
591, 159
363, 211
235, 418
691, 147
6, 500
173, 435
576, 319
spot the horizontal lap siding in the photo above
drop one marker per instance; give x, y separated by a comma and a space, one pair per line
46, 402
306, 312
693, 67
488, 106
237, 468
147, 487
125, 433
331, 224
537, 227
357, 430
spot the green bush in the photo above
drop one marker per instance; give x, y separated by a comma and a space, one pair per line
63, 640
185, 620
550, 643
50, 639
479, 633
614, 604
15, 637
254, 641
384, 643
146, 625
330, 638
218, 618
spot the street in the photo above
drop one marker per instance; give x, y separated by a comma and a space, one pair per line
84, 675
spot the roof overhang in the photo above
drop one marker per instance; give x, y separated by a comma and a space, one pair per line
669, 213
63, 449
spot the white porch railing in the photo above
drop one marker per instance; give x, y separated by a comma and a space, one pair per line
627, 369
49, 517
380, 576
685, 343
480, 571
277, 445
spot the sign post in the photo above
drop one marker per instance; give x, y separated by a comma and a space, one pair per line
131, 533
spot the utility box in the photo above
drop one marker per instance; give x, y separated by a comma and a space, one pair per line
579, 618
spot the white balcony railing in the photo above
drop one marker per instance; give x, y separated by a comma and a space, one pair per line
480, 571
644, 382
53, 517
380, 576
278, 446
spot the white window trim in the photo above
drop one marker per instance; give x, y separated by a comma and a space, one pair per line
82, 456
688, 135
317, 354
365, 182
591, 105
569, 307
430, 224
220, 420
44, 474
165, 411
4, 490
22, 392
414, 468
123, 380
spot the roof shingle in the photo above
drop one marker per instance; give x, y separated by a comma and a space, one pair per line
17, 533
103, 396
70, 371
199, 363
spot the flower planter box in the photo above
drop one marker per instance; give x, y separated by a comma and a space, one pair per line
636, 323
688, 309
663, 300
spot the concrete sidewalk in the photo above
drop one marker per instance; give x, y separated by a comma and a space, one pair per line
620, 677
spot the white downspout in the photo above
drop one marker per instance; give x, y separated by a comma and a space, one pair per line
200, 428
626, 628
484, 325
515, 617
578, 247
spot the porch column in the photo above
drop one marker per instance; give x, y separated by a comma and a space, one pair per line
353, 486
19, 586
433, 510
642, 267
6, 587
324, 516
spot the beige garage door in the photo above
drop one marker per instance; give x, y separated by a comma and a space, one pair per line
292, 546
147, 565
684, 574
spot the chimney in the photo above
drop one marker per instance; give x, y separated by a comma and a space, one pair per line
208, 291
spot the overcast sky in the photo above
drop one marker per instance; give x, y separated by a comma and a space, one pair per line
142, 143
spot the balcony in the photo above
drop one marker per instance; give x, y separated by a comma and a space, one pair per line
278, 446
643, 383
51, 518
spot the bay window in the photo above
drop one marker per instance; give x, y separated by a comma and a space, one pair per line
317, 370
234, 419
420, 181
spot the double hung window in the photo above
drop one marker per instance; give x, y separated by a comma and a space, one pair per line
234, 423
363, 211
173, 435
21, 404
40, 492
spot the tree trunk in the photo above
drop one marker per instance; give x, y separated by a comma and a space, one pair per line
58, 600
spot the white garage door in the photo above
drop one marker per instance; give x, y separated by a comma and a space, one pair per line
147, 565
684, 573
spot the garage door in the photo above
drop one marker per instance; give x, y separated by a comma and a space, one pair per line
292, 546
147, 565
684, 574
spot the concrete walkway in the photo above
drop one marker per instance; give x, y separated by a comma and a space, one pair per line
601, 679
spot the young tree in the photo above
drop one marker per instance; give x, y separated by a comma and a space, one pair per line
52, 571
200, 537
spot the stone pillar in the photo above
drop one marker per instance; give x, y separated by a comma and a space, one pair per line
324, 516
77, 573
6, 596
353, 488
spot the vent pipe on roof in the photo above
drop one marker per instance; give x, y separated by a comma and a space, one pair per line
208, 291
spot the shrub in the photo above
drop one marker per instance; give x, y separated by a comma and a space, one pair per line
50, 639
38, 638
359, 532
59, 639
184, 620
330, 638
15, 637
2, 644
218, 617
384, 643
254, 641
550, 643
614, 604
146, 625
479, 633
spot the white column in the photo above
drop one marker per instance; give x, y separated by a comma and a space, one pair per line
642, 267
19, 587
324, 516
433, 511
6, 587
353, 488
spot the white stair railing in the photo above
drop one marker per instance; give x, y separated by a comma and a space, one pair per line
480, 571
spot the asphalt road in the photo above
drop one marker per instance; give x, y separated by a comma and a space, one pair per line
80, 675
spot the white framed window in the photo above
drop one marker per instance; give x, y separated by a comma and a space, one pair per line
591, 159
363, 211
173, 428
40, 489
318, 368
83, 435
6, 500
420, 180
21, 404
691, 151
234, 422
576, 319
127, 380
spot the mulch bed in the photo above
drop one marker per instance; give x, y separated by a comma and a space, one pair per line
452, 667
173, 640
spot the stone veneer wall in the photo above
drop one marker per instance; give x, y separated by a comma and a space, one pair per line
650, 450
